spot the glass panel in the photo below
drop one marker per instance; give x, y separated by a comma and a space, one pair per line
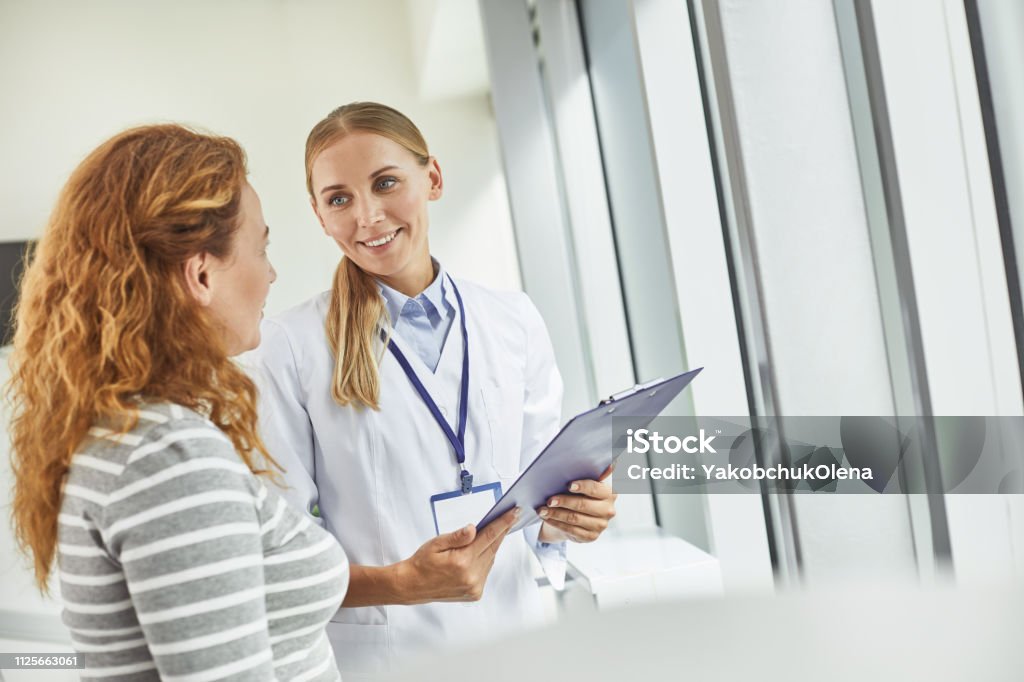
638, 219
818, 298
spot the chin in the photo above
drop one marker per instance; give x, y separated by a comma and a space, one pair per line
245, 346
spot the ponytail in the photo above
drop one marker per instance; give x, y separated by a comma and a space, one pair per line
353, 318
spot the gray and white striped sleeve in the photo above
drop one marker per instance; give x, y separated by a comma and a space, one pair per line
183, 521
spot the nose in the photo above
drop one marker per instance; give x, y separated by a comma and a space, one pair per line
370, 212
273, 274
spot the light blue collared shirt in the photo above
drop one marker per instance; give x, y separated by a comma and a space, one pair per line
422, 322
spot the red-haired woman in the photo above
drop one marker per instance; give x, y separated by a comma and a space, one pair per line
135, 445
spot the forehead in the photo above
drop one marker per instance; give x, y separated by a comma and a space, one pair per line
356, 155
251, 213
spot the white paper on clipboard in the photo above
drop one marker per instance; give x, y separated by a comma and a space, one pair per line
583, 448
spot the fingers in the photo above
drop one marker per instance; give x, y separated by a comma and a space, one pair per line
586, 505
595, 489
584, 513
597, 521
495, 531
607, 472
575, 533
455, 539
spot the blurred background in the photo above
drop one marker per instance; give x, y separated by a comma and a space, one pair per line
819, 201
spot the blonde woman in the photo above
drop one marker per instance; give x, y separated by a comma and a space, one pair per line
137, 458
403, 391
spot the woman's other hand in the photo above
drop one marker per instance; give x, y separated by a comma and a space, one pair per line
581, 513
454, 566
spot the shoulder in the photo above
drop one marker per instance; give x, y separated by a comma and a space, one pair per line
181, 452
311, 310
164, 427
174, 472
514, 306
289, 335
165, 435
511, 311
297, 320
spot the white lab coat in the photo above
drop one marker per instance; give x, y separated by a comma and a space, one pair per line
372, 472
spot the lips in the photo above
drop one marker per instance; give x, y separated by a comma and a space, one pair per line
381, 241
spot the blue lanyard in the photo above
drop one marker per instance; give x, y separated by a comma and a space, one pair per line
458, 441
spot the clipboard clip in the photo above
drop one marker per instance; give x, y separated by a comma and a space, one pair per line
630, 391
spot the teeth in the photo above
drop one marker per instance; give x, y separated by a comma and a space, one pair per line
383, 240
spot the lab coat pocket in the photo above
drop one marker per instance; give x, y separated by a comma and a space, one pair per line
504, 405
359, 647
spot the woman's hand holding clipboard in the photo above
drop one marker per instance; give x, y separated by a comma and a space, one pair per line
581, 513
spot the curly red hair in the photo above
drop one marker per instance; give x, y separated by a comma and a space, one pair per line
105, 317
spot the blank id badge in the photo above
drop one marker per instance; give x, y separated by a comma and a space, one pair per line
456, 510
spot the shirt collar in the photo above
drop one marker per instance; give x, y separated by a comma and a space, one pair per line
433, 295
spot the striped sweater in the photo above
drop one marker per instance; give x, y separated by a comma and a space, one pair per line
176, 563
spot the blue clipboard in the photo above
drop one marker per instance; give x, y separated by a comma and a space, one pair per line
583, 449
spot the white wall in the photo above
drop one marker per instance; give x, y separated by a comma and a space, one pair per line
17, 584
262, 71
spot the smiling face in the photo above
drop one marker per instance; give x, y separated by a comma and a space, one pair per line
370, 195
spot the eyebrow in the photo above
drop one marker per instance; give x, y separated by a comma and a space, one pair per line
266, 233
331, 188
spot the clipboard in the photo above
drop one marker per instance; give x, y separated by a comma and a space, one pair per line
583, 449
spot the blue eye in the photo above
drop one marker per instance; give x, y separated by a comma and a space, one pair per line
338, 201
387, 183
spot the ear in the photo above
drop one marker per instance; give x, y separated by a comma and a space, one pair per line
312, 204
436, 180
197, 278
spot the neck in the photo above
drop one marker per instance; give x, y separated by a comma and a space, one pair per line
413, 280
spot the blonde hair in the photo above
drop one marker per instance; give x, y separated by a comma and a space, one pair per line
356, 308
105, 317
